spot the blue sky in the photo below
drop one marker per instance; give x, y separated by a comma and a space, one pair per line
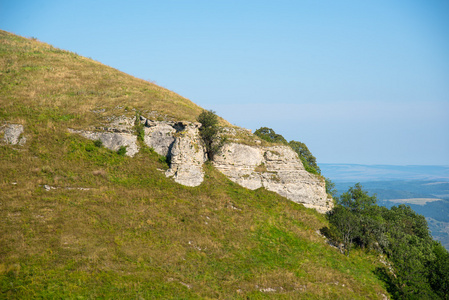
357, 81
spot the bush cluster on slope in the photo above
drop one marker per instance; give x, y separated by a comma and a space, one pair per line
420, 264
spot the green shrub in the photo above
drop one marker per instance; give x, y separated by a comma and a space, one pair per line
209, 133
307, 156
121, 151
139, 128
268, 134
98, 143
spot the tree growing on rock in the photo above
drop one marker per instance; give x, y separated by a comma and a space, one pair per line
270, 135
209, 131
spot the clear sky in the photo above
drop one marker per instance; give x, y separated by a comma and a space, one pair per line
357, 81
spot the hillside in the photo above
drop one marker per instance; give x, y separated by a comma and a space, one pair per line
80, 221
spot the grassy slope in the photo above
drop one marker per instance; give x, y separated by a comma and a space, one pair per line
135, 233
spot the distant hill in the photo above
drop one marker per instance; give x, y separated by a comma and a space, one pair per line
363, 173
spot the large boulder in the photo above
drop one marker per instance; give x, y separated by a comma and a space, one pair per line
277, 169
112, 140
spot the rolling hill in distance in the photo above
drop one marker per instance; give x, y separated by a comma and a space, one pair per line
363, 173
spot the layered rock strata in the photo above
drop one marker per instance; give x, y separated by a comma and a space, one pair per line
181, 144
275, 168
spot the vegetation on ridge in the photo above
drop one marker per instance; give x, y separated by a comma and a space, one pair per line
308, 160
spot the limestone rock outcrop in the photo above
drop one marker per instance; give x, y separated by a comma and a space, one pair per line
178, 141
12, 134
181, 144
275, 168
160, 136
112, 140
187, 156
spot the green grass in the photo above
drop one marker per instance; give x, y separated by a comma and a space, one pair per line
114, 227
136, 233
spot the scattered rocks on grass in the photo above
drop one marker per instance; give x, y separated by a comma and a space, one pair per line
12, 134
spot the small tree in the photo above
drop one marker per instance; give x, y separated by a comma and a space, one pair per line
346, 225
356, 199
270, 135
209, 133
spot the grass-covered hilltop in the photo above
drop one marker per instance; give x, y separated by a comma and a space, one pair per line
79, 221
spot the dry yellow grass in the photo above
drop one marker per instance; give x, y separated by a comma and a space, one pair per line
35, 75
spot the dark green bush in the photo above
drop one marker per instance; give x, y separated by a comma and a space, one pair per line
121, 151
98, 143
209, 131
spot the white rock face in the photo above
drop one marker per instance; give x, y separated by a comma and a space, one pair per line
186, 155
12, 134
113, 140
178, 141
160, 137
277, 169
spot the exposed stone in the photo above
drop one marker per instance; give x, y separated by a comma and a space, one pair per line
159, 136
277, 169
121, 124
186, 155
181, 144
12, 134
112, 140
98, 111
49, 188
